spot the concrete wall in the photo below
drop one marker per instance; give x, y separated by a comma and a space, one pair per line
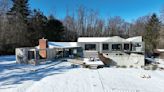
21, 55
123, 59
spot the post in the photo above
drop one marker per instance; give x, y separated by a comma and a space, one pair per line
100, 47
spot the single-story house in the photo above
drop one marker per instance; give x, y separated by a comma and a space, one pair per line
128, 52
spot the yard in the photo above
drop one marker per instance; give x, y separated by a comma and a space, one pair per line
61, 77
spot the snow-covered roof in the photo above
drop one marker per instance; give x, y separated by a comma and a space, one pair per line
160, 50
62, 44
93, 39
135, 39
109, 39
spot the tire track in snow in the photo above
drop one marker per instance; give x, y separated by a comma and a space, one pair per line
100, 78
95, 81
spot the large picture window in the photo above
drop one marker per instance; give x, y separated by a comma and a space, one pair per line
116, 47
105, 47
90, 46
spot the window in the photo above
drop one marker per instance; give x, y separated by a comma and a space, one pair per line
31, 55
105, 47
90, 46
116, 47
137, 45
126, 46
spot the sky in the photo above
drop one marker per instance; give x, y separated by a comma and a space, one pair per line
129, 10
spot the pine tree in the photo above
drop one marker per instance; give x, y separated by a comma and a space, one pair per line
151, 36
20, 8
37, 24
54, 29
20, 13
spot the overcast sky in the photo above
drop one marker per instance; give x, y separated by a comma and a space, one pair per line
127, 9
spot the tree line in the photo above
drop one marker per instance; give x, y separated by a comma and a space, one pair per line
22, 27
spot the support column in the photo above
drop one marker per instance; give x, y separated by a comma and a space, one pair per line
100, 47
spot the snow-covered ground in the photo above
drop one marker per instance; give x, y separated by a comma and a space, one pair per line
61, 77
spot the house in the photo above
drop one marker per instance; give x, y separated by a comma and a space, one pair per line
128, 52
111, 44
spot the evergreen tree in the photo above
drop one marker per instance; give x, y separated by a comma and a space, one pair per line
37, 24
19, 13
20, 9
152, 33
54, 29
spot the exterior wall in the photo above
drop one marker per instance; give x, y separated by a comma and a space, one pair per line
88, 53
99, 47
139, 49
22, 55
51, 53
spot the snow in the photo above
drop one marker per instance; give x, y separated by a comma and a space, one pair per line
160, 50
101, 39
157, 60
160, 61
109, 39
96, 62
59, 76
93, 39
135, 39
62, 44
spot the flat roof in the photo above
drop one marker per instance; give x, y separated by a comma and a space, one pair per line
109, 39
62, 44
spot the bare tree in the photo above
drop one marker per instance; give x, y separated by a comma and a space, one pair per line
81, 20
115, 24
138, 27
91, 19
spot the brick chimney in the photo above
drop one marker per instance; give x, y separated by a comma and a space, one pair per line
43, 44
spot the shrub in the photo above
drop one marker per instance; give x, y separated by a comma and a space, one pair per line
117, 66
154, 67
123, 66
131, 66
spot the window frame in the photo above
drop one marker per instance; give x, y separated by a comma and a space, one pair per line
125, 46
117, 49
92, 48
103, 45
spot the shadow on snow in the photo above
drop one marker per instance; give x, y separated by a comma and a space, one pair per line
7, 58
18, 75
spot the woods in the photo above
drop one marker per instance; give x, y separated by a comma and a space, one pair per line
22, 27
